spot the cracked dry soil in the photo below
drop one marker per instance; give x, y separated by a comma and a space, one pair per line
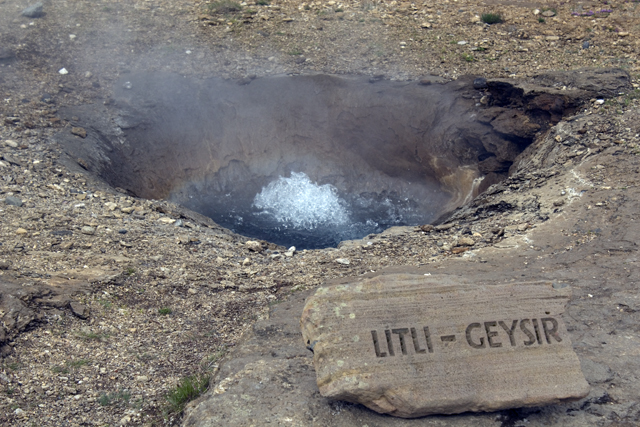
106, 304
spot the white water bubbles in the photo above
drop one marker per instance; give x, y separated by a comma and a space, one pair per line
299, 203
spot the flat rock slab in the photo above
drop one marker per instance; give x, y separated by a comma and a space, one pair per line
410, 345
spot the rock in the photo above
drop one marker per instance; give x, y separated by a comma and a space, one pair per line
343, 261
13, 201
246, 262
548, 13
88, 230
290, 251
78, 131
11, 143
4, 265
111, 206
79, 310
142, 378
466, 241
425, 25
21, 231
66, 245
443, 227
426, 228
409, 345
585, 44
253, 245
459, 250
127, 210
480, 83
34, 11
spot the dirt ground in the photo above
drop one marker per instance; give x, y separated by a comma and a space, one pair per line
107, 304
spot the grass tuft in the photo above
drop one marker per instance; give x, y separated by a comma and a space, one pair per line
491, 18
188, 389
224, 6
164, 311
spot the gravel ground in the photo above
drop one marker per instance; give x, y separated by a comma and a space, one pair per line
155, 302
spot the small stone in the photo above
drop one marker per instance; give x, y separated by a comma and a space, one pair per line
459, 250
66, 245
142, 378
123, 231
11, 143
548, 13
552, 38
425, 25
167, 220
18, 412
253, 245
63, 71
462, 42
111, 206
480, 83
290, 251
466, 241
127, 210
79, 310
343, 261
426, 228
623, 34
585, 44
78, 131
246, 262
125, 244
88, 230
21, 231
34, 11
4, 265
13, 201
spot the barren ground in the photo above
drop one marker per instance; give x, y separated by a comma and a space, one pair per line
153, 303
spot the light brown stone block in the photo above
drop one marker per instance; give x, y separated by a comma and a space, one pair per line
410, 345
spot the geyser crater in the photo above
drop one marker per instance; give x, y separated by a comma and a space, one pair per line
307, 160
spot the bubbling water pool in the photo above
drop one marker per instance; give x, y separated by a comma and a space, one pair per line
295, 211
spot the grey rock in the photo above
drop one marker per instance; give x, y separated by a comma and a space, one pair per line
13, 201
480, 83
79, 310
585, 44
34, 11
595, 372
88, 230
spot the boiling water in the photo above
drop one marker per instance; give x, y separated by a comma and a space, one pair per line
295, 211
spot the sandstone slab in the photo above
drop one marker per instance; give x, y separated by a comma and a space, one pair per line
409, 345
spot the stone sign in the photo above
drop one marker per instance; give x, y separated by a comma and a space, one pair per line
409, 345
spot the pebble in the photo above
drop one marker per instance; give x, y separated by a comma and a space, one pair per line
253, 245
548, 13
290, 251
11, 143
79, 310
123, 231
4, 265
21, 231
13, 201
78, 131
33, 11
343, 261
480, 83
462, 42
585, 44
111, 206
63, 71
167, 220
142, 378
466, 241
87, 230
